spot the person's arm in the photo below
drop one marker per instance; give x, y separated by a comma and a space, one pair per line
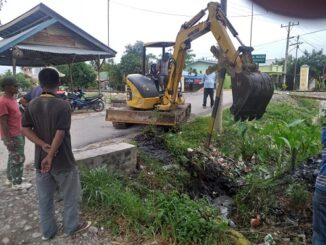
46, 163
23, 101
31, 135
6, 134
4, 126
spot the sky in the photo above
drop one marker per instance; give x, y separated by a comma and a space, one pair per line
154, 20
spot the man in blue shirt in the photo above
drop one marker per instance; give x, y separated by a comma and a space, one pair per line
319, 200
35, 92
209, 84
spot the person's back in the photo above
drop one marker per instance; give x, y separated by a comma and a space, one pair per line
49, 114
209, 80
209, 84
46, 122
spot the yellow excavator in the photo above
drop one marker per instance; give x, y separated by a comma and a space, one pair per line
251, 89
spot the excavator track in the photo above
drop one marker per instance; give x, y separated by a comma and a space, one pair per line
121, 117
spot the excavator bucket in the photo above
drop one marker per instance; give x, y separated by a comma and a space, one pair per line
251, 93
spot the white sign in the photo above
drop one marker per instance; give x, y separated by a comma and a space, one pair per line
304, 77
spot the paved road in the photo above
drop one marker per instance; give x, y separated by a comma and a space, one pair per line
91, 127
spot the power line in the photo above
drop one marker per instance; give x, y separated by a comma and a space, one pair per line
151, 11
173, 14
309, 44
312, 32
271, 42
235, 16
313, 38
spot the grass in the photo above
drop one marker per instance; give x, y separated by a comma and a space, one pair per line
152, 204
174, 217
190, 136
276, 144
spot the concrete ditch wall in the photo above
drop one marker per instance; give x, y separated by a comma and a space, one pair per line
121, 156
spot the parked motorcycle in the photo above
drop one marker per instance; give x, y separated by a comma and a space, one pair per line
78, 101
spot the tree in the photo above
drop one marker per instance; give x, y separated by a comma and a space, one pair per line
115, 76
189, 57
316, 61
192, 71
24, 82
80, 75
1, 3
131, 61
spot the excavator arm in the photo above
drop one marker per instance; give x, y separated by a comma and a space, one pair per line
251, 89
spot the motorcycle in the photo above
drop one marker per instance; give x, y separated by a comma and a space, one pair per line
79, 101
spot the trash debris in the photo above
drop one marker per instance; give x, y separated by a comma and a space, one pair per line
269, 239
223, 203
255, 222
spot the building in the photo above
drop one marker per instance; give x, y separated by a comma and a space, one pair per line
274, 71
199, 66
194, 72
193, 80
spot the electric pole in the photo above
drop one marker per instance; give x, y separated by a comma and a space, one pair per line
108, 23
296, 59
252, 19
224, 6
289, 26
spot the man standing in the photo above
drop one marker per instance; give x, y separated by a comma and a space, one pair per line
46, 122
209, 83
163, 68
10, 132
36, 91
319, 200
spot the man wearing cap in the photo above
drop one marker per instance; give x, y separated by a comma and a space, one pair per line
37, 91
10, 132
46, 122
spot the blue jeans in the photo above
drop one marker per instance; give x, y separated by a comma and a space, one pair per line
319, 218
69, 185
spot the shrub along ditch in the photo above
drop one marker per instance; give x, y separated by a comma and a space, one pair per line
152, 202
173, 217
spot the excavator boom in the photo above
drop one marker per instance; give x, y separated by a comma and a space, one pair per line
251, 89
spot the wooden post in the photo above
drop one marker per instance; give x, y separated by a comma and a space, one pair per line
14, 66
217, 107
70, 76
219, 116
222, 67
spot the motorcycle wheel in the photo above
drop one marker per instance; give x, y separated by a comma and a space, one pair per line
98, 106
73, 108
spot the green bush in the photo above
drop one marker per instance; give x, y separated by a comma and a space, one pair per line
171, 216
298, 194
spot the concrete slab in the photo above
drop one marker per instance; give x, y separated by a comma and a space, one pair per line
121, 156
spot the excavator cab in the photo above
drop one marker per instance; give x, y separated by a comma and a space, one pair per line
144, 90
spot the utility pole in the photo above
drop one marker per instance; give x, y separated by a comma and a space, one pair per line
296, 60
108, 23
224, 6
252, 19
289, 26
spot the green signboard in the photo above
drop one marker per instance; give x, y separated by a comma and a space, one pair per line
259, 58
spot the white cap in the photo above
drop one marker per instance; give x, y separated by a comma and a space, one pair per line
60, 74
